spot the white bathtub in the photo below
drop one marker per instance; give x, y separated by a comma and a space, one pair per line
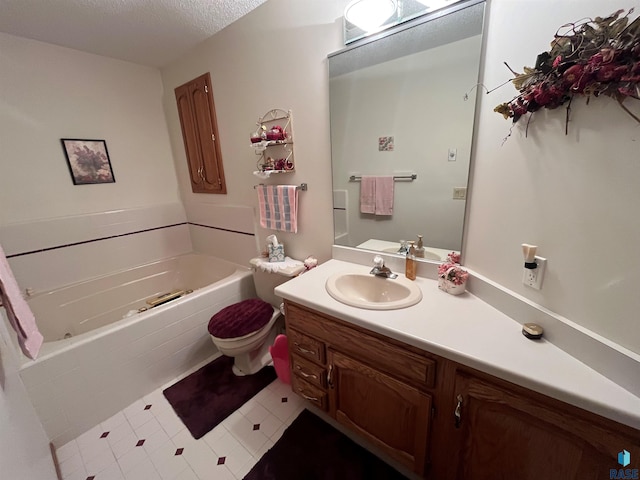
110, 361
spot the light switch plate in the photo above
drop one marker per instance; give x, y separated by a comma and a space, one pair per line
459, 193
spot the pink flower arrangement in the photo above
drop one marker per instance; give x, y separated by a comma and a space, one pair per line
452, 271
592, 58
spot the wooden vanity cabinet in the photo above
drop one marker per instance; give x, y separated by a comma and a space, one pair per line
376, 387
502, 431
441, 419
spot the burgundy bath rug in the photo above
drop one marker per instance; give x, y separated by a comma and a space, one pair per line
209, 395
311, 449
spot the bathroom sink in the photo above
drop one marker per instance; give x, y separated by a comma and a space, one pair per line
372, 292
427, 254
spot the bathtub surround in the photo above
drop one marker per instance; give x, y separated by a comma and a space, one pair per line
78, 382
209, 395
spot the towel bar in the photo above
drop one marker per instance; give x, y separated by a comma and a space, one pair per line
413, 176
302, 186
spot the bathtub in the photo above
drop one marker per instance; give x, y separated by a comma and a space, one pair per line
114, 355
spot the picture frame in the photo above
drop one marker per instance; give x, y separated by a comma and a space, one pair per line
88, 161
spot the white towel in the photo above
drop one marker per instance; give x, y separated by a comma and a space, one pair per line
18, 312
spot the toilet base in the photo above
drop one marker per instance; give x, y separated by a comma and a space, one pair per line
254, 361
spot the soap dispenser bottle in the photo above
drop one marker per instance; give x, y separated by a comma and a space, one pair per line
420, 248
410, 265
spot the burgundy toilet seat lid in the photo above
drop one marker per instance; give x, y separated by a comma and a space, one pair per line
240, 319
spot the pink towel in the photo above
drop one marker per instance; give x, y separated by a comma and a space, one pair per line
384, 195
367, 194
376, 195
278, 207
19, 314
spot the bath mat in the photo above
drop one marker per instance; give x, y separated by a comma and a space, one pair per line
312, 449
209, 395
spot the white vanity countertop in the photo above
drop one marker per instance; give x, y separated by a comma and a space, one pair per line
471, 332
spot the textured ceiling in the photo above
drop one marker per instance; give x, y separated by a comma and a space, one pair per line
147, 32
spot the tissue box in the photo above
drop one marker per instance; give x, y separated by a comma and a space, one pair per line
276, 253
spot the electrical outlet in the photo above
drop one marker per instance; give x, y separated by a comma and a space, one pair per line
452, 155
532, 277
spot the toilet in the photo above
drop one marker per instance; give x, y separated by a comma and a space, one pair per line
246, 330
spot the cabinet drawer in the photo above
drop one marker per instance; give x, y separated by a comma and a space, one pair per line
312, 373
309, 392
391, 356
305, 346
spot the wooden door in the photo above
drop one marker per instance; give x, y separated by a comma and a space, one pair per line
390, 414
200, 134
505, 435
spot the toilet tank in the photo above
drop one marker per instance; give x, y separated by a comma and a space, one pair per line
265, 281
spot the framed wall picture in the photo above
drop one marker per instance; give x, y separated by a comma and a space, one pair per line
88, 161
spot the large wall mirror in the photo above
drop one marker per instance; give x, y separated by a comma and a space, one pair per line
403, 106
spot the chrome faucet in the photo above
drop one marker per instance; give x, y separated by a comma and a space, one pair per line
380, 270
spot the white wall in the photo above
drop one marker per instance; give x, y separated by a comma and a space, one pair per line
48, 93
275, 57
575, 196
410, 99
24, 447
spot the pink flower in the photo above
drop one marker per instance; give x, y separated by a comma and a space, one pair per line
454, 257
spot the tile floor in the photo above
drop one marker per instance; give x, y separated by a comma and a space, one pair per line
147, 440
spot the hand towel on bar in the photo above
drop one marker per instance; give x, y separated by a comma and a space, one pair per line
278, 205
384, 195
367, 194
18, 312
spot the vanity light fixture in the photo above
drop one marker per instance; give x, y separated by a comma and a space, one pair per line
370, 15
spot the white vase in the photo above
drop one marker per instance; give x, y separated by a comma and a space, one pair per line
450, 287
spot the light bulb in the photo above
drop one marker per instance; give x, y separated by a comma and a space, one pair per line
369, 14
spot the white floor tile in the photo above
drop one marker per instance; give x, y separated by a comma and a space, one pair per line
256, 414
167, 463
118, 432
131, 459
148, 428
72, 465
99, 462
155, 440
110, 473
187, 475
169, 451
124, 445
67, 451
170, 422
143, 471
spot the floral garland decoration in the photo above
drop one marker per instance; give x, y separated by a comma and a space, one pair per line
593, 57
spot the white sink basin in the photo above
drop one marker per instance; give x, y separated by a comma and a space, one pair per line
371, 292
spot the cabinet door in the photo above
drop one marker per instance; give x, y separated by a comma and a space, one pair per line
200, 134
389, 413
502, 434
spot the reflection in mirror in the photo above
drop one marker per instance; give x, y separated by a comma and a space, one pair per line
398, 109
